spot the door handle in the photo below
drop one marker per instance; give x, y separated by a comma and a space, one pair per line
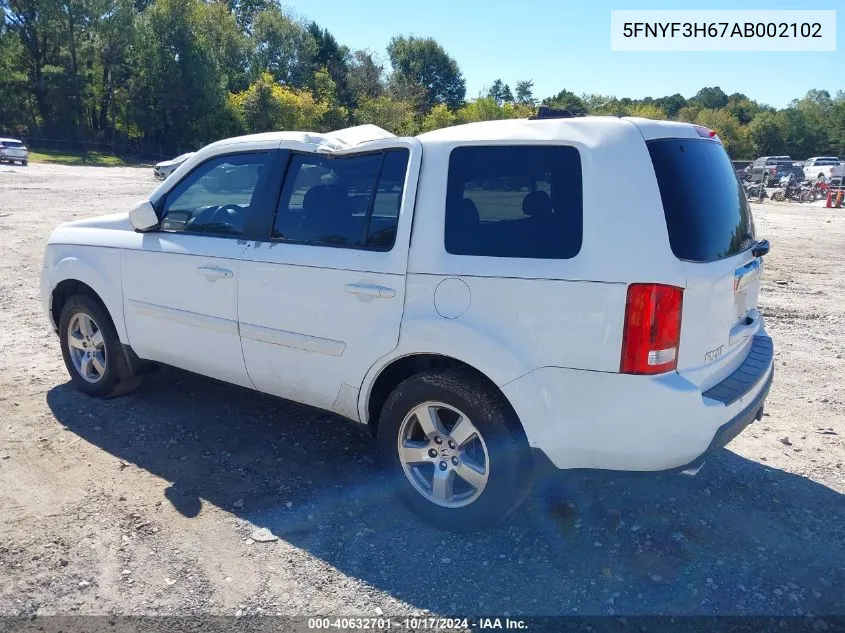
370, 290
213, 272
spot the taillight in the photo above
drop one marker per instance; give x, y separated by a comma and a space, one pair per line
652, 329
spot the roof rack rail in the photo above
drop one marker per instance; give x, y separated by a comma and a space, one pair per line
545, 112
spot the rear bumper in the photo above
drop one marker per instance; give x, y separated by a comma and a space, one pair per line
583, 419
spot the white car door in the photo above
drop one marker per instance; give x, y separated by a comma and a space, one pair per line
180, 283
320, 298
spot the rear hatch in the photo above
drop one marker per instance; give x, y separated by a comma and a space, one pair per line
711, 232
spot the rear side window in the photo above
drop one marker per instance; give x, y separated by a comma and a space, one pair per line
707, 214
514, 201
347, 201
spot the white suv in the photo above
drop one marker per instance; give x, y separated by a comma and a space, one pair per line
473, 295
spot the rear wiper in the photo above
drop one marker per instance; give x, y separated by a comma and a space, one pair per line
760, 248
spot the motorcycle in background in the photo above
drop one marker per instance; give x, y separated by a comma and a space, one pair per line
788, 189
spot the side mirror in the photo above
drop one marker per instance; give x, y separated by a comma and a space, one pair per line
143, 216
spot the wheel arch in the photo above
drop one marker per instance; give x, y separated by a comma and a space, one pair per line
71, 275
400, 368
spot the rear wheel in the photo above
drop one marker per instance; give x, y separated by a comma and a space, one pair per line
454, 450
91, 348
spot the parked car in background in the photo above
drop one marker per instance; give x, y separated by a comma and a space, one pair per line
764, 169
13, 150
823, 168
530, 315
163, 169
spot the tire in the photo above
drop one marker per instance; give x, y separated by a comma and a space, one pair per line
25, 163
777, 196
493, 450
106, 368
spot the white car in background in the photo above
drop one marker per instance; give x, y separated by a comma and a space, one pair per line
827, 168
530, 314
163, 169
13, 150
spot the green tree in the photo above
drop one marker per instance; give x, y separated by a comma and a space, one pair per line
568, 101
394, 116
711, 98
765, 135
283, 47
525, 92
365, 76
671, 104
728, 128
335, 59
439, 117
269, 106
500, 92
176, 86
424, 62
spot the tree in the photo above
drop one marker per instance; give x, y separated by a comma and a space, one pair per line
267, 105
500, 92
728, 128
646, 111
394, 116
439, 117
283, 47
568, 101
671, 104
176, 88
335, 59
245, 12
424, 62
712, 98
365, 76
525, 92
765, 135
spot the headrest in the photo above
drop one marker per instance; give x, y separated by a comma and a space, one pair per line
325, 198
537, 204
467, 212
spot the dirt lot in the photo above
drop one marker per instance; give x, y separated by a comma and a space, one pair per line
145, 504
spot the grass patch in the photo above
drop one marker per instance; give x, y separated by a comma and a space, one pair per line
98, 159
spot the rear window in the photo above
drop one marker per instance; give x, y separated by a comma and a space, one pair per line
514, 201
707, 215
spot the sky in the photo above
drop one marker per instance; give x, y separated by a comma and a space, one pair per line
564, 44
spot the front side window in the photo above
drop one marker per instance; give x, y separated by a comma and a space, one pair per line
218, 197
514, 201
349, 201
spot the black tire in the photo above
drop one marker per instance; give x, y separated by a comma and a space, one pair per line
25, 163
509, 462
117, 371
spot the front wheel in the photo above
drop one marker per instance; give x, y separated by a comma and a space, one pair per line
90, 347
455, 451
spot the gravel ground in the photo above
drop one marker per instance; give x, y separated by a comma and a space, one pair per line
145, 504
